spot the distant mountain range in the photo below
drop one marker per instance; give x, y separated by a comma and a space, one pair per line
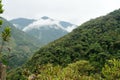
45, 29
20, 23
29, 34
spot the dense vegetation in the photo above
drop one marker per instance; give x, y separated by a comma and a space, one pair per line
80, 70
21, 45
46, 33
88, 48
4, 37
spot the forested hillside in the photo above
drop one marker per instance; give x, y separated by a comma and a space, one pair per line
88, 48
21, 45
45, 28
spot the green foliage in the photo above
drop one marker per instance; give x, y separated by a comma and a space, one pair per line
21, 45
82, 67
74, 71
18, 76
0, 22
111, 70
6, 34
95, 41
1, 10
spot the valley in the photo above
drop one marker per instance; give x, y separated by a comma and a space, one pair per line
85, 51
76, 40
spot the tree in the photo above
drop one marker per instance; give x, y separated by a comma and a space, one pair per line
111, 70
5, 35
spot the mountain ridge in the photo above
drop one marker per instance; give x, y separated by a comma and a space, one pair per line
42, 21
93, 39
96, 42
47, 29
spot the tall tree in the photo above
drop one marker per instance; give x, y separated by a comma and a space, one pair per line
5, 35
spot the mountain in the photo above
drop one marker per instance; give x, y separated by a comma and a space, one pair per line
21, 44
47, 22
45, 29
20, 23
96, 41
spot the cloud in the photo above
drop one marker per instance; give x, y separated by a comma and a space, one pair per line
76, 11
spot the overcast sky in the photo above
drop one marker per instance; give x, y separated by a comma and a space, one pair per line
75, 11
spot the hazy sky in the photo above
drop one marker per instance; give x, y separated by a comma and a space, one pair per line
75, 11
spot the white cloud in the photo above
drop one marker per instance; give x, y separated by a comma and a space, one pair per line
76, 11
48, 23
43, 23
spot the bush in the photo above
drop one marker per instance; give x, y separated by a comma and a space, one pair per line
111, 70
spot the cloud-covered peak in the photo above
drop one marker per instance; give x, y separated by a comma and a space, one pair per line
45, 17
44, 22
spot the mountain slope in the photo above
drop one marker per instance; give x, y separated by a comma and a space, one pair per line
96, 41
45, 29
20, 23
50, 23
22, 45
